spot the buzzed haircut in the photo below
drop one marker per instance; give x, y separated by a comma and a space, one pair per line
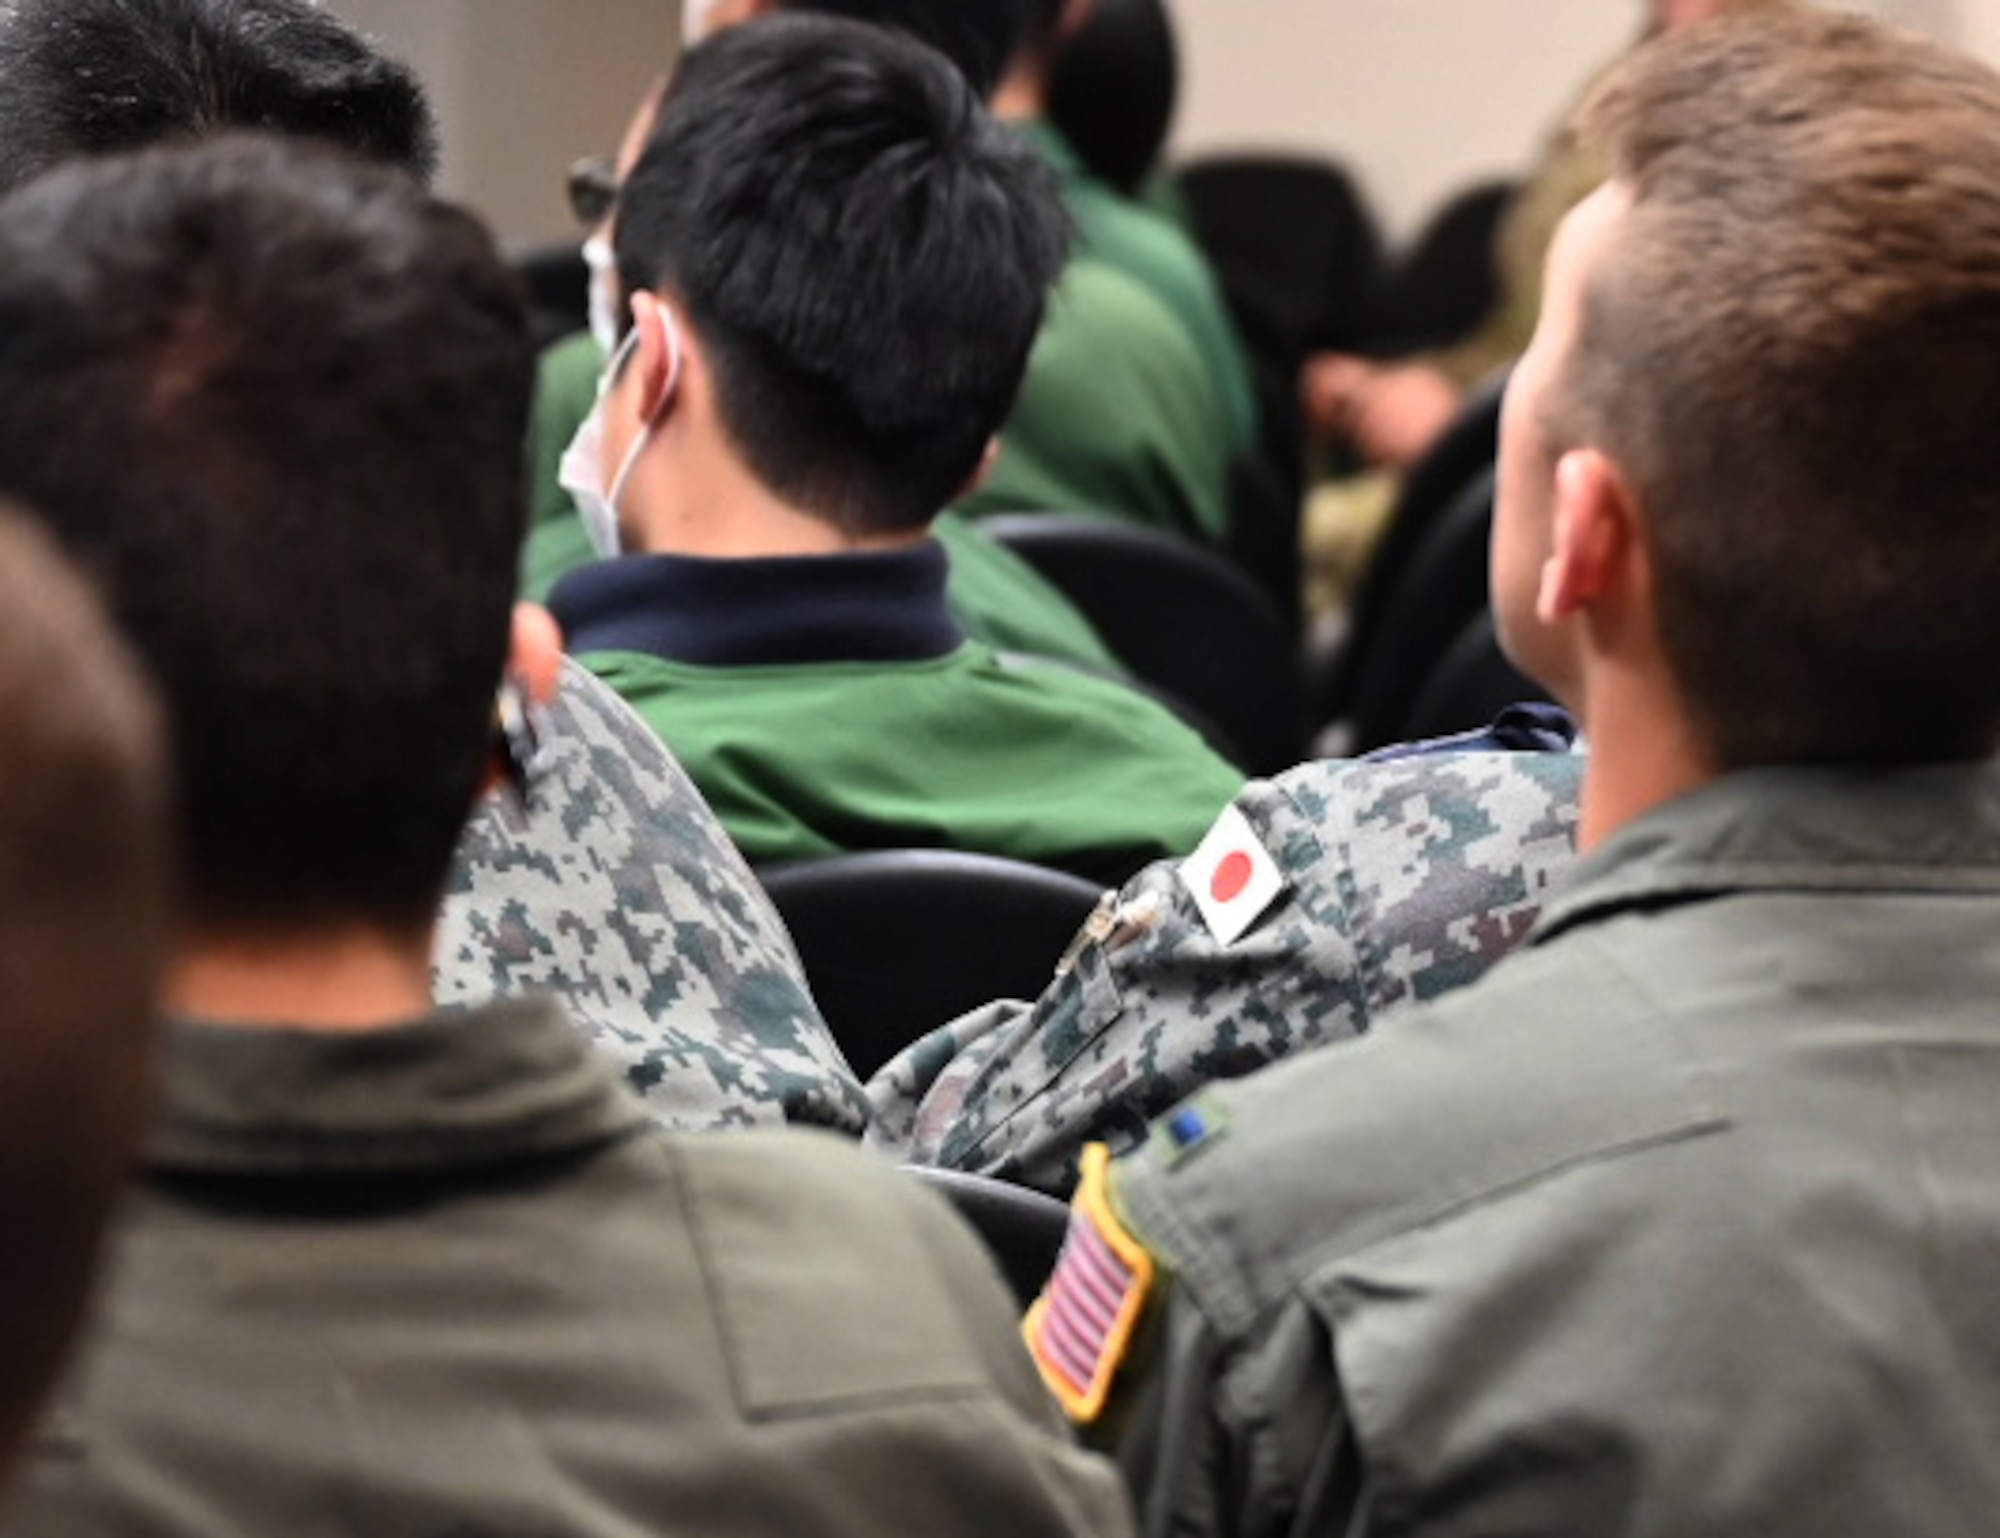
274, 398
1791, 346
83, 933
98, 77
982, 37
864, 251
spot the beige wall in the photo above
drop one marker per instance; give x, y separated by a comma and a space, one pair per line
524, 87
1417, 96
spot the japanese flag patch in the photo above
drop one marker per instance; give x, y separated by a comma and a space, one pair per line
1232, 877
1081, 1327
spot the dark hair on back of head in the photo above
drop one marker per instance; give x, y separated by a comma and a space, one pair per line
1114, 89
96, 77
1791, 347
274, 398
863, 251
980, 36
83, 934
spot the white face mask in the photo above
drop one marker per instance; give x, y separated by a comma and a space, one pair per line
603, 265
582, 470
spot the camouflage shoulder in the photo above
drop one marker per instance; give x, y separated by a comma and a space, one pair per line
1374, 885
1449, 858
618, 891
1149, 1004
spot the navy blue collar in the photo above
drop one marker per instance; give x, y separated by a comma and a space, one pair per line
868, 606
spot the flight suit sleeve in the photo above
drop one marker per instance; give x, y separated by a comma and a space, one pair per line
1222, 1425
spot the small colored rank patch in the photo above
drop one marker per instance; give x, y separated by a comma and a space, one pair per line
1081, 1328
1232, 877
1187, 1127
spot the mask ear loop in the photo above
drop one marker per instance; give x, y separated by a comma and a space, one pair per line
675, 358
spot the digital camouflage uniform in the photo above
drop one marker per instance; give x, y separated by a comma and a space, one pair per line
1403, 881
620, 893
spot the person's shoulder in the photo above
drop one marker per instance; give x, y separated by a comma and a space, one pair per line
1095, 304
839, 1275
1103, 714
1544, 1067
1399, 824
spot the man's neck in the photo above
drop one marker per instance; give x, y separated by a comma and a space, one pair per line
1023, 93
336, 980
725, 513
1644, 752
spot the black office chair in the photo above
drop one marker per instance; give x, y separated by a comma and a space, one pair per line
1293, 244
1264, 540
1023, 1230
897, 942
1183, 618
1448, 280
1443, 589
1463, 452
1469, 687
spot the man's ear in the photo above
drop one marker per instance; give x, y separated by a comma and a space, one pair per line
984, 468
1595, 533
534, 652
661, 357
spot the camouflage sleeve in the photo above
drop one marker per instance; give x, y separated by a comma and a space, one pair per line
1400, 881
619, 892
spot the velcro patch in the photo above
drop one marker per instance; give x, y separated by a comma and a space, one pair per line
1232, 877
1082, 1326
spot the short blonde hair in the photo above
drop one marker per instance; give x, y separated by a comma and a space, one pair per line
1792, 348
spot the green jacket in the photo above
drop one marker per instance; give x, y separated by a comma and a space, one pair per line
828, 703
997, 596
1150, 248
1117, 416
1682, 1222
447, 1278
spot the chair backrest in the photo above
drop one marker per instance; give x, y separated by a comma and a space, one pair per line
897, 942
1472, 683
1293, 243
1448, 280
1264, 516
1442, 590
1024, 1230
1463, 451
1183, 618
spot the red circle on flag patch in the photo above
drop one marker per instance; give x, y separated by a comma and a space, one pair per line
1232, 876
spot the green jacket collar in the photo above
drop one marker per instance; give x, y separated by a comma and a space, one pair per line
1932, 828
453, 1091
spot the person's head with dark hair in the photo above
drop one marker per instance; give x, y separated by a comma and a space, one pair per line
1114, 88
982, 37
83, 936
837, 264
97, 77
1755, 430
274, 399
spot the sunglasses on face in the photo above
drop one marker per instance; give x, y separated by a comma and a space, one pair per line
592, 185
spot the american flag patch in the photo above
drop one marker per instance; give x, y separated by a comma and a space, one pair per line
1082, 1326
